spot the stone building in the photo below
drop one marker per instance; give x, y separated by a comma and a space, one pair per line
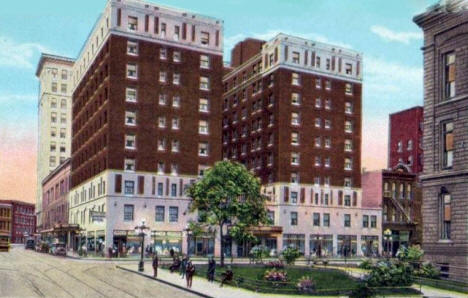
5, 226
445, 175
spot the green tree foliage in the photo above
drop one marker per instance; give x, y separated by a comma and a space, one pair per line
413, 253
391, 274
229, 194
290, 255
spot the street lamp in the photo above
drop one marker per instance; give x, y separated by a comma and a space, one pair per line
388, 237
189, 238
141, 231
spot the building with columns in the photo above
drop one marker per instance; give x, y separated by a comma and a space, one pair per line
445, 175
292, 115
54, 118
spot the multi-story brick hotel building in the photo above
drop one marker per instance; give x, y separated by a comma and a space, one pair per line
292, 115
445, 175
146, 123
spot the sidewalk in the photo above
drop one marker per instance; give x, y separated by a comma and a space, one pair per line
200, 285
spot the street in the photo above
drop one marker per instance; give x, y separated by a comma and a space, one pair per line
25, 273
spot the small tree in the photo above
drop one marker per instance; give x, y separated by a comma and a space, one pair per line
228, 193
290, 255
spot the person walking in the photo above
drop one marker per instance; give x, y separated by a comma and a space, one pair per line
211, 269
155, 265
190, 271
183, 267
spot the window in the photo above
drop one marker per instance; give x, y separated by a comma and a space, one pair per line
294, 138
327, 162
348, 127
409, 145
348, 68
54, 87
271, 216
63, 118
163, 29
326, 219
130, 142
204, 61
348, 107
162, 122
347, 200
176, 56
63, 88
130, 118
295, 80
132, 48
294, 177
129, 187
318, 122
63, 133
348, 89
128, 212
445, 215
131, 94
52, 161
53, 147
132, 71
162, 144
162, 76
53, 103
163, 53
63, 103
161, 167
318, 161
175, 146
295, 158
327, 124
347, 182
448, 144
132, 23
327, 65
293, 218
162, 99
294, 197
316, 219
328, 142
348, 164
173, 214
160, 188
365, 221
176, 101
295, 120
347, 220
64, 74
203, 127
129, 165
173, 190
205, 38
176, 78
348, 146
373, 221
295, 57
295, 99
159, 216
204, 83
400, 146
318, 84
175, 123
327, 85
203, 149
449, 75
203, 107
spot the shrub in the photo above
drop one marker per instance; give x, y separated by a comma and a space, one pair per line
290, 255
428, 270
306, 284
366, 264
390, 274
259, 252
362, 291
413, 253
275, 264
276, 275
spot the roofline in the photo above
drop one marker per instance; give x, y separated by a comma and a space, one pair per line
16, 202
56, 170
51, 57
406, 110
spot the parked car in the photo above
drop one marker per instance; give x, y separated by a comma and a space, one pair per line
58, 249
30, 244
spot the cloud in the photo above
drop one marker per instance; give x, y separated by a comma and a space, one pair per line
17, 98
19, 55
230, 41
390, 35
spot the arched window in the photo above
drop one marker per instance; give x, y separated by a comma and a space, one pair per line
445, 213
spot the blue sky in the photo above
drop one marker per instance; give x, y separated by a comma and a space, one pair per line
381, 29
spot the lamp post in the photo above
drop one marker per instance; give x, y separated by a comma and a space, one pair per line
388, 238
141, 231
189, 234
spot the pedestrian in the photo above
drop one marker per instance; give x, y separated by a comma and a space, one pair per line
189, 273
175, 265
183, 267
155, 265
211, 269
171, 253
226, 276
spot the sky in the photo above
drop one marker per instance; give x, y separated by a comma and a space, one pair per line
382, 30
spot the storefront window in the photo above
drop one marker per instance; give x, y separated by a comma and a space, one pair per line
347, 245
370, 246
201, 245
321, 245
163, 242
294, 240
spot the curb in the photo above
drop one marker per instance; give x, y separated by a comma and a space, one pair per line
165, 282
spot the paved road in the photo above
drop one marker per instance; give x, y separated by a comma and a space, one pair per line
30, 274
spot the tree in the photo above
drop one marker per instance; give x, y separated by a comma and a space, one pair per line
229, 194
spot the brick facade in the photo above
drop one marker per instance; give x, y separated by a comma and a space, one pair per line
445, 178
23, 220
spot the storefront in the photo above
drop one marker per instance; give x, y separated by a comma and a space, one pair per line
347, 245
321, 245
126, 243
370, 246
202, 244
294, 240
164, 241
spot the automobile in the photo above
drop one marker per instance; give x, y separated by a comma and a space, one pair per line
58, 249
30, 244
